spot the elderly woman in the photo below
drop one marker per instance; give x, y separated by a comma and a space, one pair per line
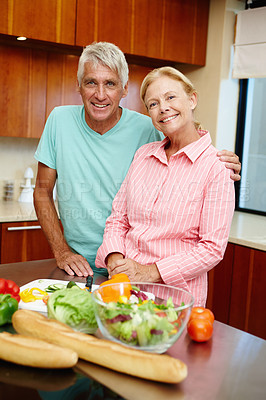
171, 218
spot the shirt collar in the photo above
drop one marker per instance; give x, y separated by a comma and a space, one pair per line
192, 150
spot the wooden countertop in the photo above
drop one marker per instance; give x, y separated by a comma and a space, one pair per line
231, 366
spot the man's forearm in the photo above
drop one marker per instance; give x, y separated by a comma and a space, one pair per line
49, 221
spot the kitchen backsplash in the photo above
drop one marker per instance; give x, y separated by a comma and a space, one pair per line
16, 154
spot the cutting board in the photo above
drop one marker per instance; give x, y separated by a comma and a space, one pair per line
42, 284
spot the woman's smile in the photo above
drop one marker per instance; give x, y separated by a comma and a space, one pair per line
167, 119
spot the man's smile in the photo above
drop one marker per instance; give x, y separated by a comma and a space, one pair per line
100, 105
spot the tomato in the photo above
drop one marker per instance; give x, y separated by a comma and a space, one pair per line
161, 314
45, 299
12, 287
9, 287
199, 329
201, 312
2, 285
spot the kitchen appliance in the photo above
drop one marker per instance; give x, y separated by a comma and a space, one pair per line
26, 195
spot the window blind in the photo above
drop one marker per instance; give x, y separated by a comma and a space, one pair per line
250, 44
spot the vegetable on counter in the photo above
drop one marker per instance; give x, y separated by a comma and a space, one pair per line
137, 320
9, 287
110, 293
8, 305
33, 294
200, 324
74, 307
54, 287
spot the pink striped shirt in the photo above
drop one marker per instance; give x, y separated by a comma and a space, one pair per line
174, 213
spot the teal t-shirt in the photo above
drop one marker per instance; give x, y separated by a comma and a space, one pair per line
90, 169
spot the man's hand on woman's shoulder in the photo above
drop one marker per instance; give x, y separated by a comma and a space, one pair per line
232, 162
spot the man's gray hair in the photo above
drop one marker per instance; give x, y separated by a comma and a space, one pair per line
107, 54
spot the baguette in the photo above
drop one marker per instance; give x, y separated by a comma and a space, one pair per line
33, 352
162, 368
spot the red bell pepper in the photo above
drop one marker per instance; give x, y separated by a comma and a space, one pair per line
9, 287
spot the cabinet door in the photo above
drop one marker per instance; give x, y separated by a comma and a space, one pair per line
185, 31
148, 28
105, 20
23, 241
219, 286
23, 91
49, 20
247, 310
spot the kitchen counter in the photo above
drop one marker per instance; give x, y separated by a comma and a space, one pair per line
14, 211
246, 230
231, 366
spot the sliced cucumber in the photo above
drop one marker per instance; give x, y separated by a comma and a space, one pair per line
54, 287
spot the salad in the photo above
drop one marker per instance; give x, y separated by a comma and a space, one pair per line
138, 320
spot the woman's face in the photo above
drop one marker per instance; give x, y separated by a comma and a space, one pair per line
169, 107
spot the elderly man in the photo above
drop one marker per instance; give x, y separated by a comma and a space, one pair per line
88, 149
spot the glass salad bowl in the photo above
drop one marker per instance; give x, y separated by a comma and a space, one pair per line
145, 316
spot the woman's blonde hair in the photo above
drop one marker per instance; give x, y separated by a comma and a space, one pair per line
173, 74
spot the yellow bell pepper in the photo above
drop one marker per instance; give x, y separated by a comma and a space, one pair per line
29, 295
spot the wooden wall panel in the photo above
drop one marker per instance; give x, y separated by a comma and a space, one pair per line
132, 100
37, 93
62, 86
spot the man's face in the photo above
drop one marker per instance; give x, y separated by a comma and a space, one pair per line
101, 91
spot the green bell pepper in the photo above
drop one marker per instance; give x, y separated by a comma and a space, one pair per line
8, 305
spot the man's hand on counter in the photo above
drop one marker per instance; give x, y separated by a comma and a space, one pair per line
73, 263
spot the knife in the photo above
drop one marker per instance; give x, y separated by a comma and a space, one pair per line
89, 281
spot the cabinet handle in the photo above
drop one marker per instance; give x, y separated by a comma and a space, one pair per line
22, 228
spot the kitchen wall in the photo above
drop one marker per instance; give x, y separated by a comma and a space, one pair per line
218, 96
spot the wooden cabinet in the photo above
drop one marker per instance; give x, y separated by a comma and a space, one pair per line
33, 82
49, 20
173, 30
23, 241
237, 289
23, 91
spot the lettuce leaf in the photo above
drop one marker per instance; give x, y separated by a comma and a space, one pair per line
74, 307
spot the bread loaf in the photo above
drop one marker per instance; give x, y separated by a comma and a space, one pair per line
162, 368
33, 352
